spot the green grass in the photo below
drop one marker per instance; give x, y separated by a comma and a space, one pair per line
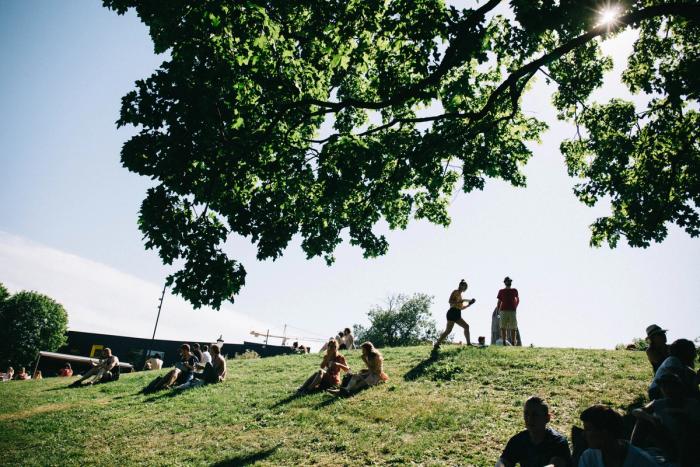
457, 410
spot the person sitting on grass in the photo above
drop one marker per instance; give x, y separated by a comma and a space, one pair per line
349, 339
102, 370
329, 374
182, 373
681, 361
373, 375
22, 375
214, 371
671, 424
9, 374
538, 445
341, 341
602, 428
153, 363
67, 370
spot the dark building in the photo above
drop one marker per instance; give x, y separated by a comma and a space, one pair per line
134, 349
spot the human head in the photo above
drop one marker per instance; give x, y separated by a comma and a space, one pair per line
507, 281
348, 331
463, 285
332, 346
10, 369
369, 350
67, 365
215, 349
107, 352
205, 348
195, 346
601, 426
22, 370
684, 350
341, 334
536, 414
656, 335
185, 350
295, 345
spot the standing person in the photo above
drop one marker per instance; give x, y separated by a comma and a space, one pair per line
538, 445
507, 304
454, 314
657, 351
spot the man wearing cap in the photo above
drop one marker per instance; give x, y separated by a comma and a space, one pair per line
657, 351
507, 304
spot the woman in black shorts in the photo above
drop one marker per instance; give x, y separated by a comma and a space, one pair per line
454, 314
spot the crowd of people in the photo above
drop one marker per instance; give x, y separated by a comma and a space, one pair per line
198, 365
344, 340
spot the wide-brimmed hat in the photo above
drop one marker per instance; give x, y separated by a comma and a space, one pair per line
654, 329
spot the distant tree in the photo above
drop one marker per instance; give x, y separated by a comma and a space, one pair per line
30, 322
421, 99
4, 293
405, 321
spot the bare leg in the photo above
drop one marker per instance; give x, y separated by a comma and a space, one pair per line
514, 333
311, 383
504, 335
464, 325
448, 330
169, 379
91, 372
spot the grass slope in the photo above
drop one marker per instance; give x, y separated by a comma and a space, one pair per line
457, 410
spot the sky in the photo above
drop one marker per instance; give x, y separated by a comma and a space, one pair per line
68, 213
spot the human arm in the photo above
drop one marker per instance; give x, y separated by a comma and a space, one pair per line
516, 299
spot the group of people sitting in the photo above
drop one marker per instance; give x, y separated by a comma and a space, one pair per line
196, 367
328, 377
666, 431
10, 374
344, 340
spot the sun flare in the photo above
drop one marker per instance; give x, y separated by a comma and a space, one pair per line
609, 15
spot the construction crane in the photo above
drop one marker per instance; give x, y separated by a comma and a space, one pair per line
284, 336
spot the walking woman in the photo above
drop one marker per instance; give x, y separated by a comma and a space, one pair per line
454, 314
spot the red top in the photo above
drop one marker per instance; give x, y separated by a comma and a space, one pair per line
332, 374
508, 299
65, 372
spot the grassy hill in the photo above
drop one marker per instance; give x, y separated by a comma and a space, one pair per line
457, 410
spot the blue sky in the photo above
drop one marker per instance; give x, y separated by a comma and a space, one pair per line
68, 218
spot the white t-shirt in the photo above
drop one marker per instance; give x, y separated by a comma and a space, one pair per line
635, 458
207, 357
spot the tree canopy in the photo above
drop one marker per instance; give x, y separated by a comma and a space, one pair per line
30, 322
406, 320
419, 100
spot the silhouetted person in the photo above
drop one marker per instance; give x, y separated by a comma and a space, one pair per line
603, 429
681, 361
538, 445
657, 351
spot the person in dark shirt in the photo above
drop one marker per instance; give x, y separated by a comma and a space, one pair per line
538, 445
197, 352
181, 374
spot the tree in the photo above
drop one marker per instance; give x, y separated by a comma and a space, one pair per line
30, 322
405, 321
419, 96
4, 293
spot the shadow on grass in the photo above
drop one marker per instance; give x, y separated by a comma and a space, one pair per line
287, 400
329, 401
165, 394
422, 367
246, 459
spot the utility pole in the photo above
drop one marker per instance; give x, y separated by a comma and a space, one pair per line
153, 338
284, 335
